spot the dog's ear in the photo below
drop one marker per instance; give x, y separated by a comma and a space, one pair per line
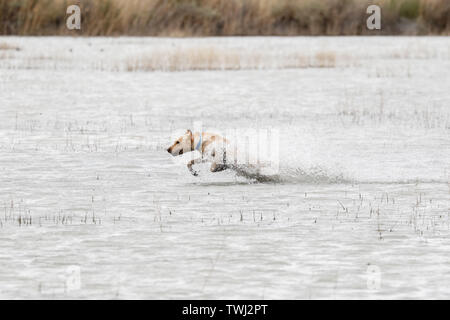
192, 138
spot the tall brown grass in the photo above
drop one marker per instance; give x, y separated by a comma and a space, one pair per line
223, 17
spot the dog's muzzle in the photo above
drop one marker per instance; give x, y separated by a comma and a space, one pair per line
169, 150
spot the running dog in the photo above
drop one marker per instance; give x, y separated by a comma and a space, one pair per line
212, 147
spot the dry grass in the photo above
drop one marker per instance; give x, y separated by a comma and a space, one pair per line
187, 58
326, 59
209, 58
212, 58
223, 17
7, 46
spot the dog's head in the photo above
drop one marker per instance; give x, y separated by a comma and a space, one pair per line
182, 144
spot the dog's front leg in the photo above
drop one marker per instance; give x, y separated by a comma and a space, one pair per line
189, 166
192, 162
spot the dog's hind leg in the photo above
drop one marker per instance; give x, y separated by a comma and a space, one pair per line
217, 167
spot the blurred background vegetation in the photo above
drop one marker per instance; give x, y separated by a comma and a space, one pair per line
224, 17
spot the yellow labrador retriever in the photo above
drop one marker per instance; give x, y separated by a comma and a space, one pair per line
212, 148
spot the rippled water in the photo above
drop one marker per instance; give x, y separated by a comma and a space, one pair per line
91, 205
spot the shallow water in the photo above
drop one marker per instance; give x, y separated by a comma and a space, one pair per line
92, 206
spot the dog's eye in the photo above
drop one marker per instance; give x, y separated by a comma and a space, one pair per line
177, 142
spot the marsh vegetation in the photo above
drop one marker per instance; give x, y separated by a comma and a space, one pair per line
183, 18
